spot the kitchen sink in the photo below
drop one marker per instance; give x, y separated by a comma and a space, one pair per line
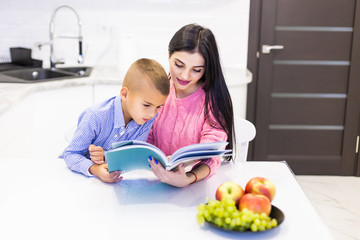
35, 74
79, 71
31, 75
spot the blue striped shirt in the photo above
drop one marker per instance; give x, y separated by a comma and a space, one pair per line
101, 125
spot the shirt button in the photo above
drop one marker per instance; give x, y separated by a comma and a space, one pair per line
115, 136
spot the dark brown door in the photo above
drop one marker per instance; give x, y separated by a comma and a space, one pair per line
304, 107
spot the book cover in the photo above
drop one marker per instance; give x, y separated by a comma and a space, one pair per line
133, 154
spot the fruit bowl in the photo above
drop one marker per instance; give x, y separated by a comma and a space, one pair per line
275, 213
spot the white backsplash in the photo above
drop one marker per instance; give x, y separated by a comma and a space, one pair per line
116, 32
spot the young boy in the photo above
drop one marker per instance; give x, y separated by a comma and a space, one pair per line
129, 116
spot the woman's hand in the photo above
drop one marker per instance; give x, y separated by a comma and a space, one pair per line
178, 178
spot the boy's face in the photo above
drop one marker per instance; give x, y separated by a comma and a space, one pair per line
141, 104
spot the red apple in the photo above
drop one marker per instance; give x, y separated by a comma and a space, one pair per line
256, 203
260, 185
230, 190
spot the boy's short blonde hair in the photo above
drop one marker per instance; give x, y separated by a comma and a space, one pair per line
154, 72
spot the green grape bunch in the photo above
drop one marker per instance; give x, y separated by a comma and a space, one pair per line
224, 214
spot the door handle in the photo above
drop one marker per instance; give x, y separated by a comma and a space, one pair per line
267, 48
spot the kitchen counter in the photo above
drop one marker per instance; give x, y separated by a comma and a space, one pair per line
11, 93
43, 199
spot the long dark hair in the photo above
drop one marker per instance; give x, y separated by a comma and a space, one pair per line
195, 38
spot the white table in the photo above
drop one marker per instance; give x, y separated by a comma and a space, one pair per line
42, 199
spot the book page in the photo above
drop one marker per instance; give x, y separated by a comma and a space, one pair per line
197, 157
200, 147
195, 154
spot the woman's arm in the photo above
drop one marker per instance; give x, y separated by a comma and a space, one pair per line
200, 171
211, 133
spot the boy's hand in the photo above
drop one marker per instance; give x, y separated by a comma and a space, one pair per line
96, 154
102, 172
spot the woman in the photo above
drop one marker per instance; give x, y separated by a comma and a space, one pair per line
198, 108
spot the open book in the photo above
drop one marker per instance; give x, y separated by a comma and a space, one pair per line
133, 154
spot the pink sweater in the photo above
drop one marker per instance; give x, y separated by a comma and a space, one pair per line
181, 122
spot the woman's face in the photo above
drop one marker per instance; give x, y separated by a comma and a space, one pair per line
186, 69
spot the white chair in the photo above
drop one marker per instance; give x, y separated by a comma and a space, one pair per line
244, 132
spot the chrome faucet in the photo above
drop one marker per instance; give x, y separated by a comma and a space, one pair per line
53, 36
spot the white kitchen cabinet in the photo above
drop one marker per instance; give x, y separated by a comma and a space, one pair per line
103, 92
35, 126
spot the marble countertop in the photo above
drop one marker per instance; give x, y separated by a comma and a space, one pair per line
336, 199
11, 93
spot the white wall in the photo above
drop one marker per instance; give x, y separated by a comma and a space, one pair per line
118, 31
